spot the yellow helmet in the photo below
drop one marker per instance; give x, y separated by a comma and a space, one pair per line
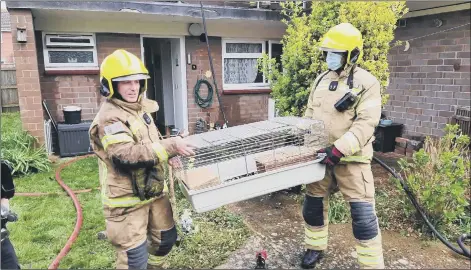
344, 37
122, 65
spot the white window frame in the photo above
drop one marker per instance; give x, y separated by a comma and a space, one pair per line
242, 86
69, 66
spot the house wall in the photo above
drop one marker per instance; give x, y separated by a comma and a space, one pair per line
34, 84
7, 48
425, 87
239, 108
27, 75
81, 90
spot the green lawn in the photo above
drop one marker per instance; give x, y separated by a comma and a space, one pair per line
45, 223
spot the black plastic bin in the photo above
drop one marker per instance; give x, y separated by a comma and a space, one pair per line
386, 137
74, 139
72, 114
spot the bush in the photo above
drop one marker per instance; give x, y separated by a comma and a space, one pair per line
301, 59
438, 175
18, 147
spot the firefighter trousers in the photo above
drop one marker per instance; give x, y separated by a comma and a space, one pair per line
355, 182
142, 236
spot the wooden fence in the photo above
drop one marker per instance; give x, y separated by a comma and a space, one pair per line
9, 95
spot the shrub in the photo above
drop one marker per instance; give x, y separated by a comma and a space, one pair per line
18, 147
301, 59
438, 175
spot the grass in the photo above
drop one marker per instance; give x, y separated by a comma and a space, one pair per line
45, 223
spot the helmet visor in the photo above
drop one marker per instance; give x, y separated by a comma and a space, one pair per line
134, 77
331, 50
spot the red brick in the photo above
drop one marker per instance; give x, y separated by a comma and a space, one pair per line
463, 55
463, 95
414, 111
455, 34
435, 75
451, 62
455, 48
447, 42
461, 82
451, 75
463, 41
444, 81
423, 130
435, 62
436, 49
465, 88
444, 94
27, 73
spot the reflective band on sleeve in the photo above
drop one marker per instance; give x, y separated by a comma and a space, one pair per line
160, 151
359, 159
353, 142
107, 140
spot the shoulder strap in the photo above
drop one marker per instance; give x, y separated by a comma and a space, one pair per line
318, 79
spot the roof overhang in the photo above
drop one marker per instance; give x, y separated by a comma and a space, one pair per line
426, 7
211, 12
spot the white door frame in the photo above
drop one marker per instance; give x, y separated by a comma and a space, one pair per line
182, 97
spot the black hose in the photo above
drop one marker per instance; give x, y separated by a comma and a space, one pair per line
208, 100
221, 107
464, 252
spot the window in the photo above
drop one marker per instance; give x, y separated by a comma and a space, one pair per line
69, 52
275, 51
240, 57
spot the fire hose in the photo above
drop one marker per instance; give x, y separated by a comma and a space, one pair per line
464, 251
78, 224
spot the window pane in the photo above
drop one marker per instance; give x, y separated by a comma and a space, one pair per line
241, 71
71, 40
276, 51
70, 57
243, 48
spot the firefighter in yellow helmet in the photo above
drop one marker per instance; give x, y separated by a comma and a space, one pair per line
133, 165
347, 99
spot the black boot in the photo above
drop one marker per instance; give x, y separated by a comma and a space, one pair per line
311, 257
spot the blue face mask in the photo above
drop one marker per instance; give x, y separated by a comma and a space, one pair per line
334, 60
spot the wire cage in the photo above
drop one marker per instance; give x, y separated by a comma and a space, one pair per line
246, 161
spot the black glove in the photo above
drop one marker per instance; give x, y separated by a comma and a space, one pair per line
147, 183
154, 184
333, 155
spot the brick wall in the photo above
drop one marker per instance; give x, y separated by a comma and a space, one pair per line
7, 48
81, 90
239, 108
433, 77
27, 75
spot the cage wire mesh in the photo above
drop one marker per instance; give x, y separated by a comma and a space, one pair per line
242, 151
